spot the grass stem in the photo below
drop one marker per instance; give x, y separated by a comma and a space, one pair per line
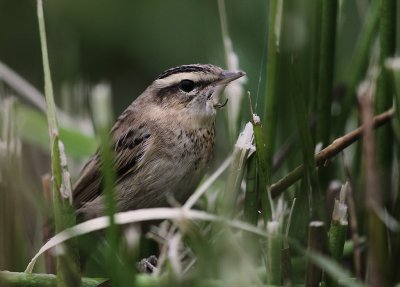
252, 196
358, 64
326, 70
384, 96
68, 269
316, 243
272, 93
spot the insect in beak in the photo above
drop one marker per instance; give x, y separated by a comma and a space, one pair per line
219, 105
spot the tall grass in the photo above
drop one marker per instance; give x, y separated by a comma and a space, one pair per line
68, 268
258, 225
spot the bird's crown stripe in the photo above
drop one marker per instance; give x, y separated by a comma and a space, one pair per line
185, 69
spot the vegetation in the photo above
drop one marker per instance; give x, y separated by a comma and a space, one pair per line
308, 195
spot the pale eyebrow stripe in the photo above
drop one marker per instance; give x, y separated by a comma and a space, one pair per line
174, 79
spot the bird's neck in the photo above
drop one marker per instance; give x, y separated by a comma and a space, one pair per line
188, 121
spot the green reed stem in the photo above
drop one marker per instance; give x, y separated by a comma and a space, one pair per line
394, 66
68, 269
337, 232
384, 98
310, 174
271, 93
264, 176
251, 204
251, 198
379, 193
358, 64
274, 253
102, 115
316, 243
326, 70
315, 54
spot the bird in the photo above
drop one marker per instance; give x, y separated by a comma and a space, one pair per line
162, 143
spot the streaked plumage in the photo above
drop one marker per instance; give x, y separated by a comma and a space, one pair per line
162, 142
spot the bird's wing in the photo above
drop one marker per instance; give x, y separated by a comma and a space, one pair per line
130, 145
89, 183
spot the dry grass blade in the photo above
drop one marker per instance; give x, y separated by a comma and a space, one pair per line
139, 215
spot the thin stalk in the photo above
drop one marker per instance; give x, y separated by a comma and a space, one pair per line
358, 64
337, 237
326, 70
384, 97
286, 263
315, 54
378, 255
48, 85
49, 261
251, 197
266, 200
264, 176
377, 274
355, 237
310, 174
68, 270
337, 231
394, 66
272, 93
274, 253
13, 246
101, 102
251, 205
316, 243
286, 259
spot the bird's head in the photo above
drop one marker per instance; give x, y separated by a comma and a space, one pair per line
192, 89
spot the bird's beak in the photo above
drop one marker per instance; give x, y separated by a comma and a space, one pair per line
227, 76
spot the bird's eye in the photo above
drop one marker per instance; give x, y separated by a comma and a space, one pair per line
186, 85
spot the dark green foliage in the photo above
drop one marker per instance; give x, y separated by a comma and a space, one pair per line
304, 63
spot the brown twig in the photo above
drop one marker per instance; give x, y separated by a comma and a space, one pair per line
330, 151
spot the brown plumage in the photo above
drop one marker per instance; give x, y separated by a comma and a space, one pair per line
162, 142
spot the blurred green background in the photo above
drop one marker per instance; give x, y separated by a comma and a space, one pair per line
128, 43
